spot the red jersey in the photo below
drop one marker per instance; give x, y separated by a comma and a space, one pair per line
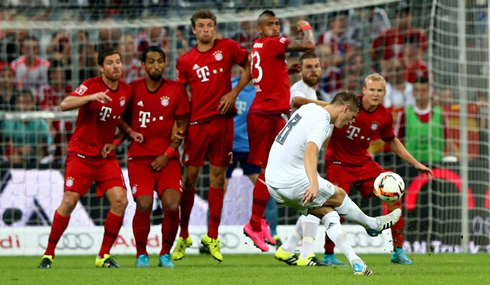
209, 76
97, 121
270, 76
391, 42
50, 99
349, 145
153, 114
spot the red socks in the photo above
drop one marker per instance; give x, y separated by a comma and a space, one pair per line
170, 225
57, 229
260, 198
215, 199
185, 211
141, 229
112, 226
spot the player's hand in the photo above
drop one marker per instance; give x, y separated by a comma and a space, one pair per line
160, 162
310, 195
294, 68
301, 23
107, 149
178, 136
424, 169
227, 102
102, 97
137, 137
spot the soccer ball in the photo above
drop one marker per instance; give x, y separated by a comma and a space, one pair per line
389, 187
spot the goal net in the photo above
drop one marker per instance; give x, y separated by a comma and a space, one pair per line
446, 214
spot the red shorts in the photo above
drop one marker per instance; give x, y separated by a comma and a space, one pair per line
214, 139
80, 173
144, 180
361, 177
262, 131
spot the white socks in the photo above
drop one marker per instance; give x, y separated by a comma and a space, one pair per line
350, 211
290, 244
336, 234
309, 233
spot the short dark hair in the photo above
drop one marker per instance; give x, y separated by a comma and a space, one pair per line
202, 14
347, 97
421, 80
306, 55
105, 53
29, 38
411, 40
152, 49
267, 13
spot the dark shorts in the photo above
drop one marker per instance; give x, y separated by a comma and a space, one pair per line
248, 168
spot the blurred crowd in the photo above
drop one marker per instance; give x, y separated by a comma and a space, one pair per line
39, 69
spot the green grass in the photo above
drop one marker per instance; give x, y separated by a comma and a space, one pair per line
248, 269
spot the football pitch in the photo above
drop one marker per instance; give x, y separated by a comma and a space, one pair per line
248, 269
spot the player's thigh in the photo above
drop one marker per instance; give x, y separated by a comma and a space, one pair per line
220, 151
141, 179
343, 177
108, 176
368, 174
196, 144
79, 174
262, 130
169, 177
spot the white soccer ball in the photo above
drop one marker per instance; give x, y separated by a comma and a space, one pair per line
389, 187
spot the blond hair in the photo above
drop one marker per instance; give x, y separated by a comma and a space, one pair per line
375, 77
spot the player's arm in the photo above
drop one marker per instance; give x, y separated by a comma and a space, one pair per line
74, 102
228, 100
399, 149
298, 101
311, 162
177, 136
307, 44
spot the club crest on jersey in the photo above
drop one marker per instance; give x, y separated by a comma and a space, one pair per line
374, 125
218, 55
69, 181
122, 101
165, 101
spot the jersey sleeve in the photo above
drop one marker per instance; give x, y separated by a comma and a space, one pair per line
183, 107
386, 131
297, 93
240, 55
278, 45
83, 89
182, 77
317, 133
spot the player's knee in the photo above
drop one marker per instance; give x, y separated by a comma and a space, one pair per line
120, 202
144, 205
69, 202
217, 180
171, 204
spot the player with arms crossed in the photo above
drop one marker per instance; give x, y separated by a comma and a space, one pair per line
349, 164
207, 69
293, 179
101, 101
271, 80
153, 158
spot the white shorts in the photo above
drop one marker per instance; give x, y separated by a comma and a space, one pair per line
292, 196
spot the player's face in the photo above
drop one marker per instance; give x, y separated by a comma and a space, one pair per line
310, 71
374, 92
270, 27
346, 117
112, 68
204, 30
421, 92
154, 65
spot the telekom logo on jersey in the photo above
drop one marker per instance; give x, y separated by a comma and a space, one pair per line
105, 113
353, 132
204, 72
145, 118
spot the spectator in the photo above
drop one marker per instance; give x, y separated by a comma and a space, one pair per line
415, 67
423, 127
8, 89
352, 80
59, 46
359, 32
337, 39
483, 124
87, 58
331, 78
399, 92
50, 95
25, 141
247, 34
29, 68
14, 38
108, 37
129, 57
390, 43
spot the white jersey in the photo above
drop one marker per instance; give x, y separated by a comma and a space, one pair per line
395, 98
285, 168
300, 89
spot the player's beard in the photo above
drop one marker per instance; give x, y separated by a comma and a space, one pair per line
155, 77
311, 81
